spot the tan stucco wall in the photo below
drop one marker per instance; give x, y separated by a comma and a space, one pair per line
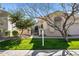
74, 30
3, 21
25, 32
4, 24
49, 31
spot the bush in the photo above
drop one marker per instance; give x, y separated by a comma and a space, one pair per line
69, 35
7, 33
15, 33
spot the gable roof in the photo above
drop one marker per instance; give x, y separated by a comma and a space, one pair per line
56, 13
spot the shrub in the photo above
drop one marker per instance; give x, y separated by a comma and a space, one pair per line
69, 35
7, 33
15, 33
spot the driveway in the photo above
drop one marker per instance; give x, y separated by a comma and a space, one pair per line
39, 52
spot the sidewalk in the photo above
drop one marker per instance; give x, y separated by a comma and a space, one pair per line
55, 37
39, 52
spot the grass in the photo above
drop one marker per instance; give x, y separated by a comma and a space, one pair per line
35, 44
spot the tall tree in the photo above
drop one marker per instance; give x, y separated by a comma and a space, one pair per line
43, 12
16, 15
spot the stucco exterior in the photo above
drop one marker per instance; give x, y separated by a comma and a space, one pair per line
3, 21
49, 31
5, 24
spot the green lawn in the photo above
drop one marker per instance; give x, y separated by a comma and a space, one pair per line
35, 43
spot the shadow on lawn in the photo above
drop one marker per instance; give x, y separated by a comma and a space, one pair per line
49, 44
52, 46
7, 44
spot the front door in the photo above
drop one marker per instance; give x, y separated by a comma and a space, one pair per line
36, 30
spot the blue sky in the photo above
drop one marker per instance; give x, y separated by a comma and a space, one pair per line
11, 6
52, 6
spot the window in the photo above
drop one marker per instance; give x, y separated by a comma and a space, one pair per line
57, 21
41, 26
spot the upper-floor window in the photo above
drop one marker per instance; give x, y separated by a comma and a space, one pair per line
57, 21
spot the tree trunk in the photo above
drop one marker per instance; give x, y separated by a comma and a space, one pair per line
21, 32
64, 35
65, 38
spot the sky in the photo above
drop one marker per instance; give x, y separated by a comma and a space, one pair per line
42, 6
11, 6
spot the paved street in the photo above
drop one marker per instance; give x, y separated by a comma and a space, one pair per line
39, 52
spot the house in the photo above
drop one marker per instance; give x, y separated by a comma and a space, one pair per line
6, 25
57, 16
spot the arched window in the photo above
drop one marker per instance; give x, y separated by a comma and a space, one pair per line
57, 21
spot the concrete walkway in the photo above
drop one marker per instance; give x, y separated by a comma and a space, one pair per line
55, 37
39, 52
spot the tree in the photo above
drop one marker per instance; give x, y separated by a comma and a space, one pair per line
43, 13
18, 18
16, 15
24, 24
